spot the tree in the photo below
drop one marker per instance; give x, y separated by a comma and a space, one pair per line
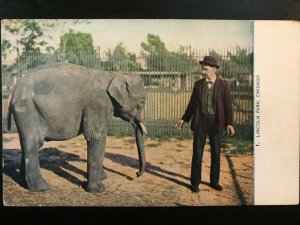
77, 47
121, 60
5, 46
75, 42
33, 32
31, 40
28, 34
33, 35
154, 53
154, 45
236, 64
242, 59
181, 61
158, 58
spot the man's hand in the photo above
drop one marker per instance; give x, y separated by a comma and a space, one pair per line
230, 130
179, 124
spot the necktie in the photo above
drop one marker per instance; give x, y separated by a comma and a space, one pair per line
209, 84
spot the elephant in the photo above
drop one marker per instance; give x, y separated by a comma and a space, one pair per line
59, 101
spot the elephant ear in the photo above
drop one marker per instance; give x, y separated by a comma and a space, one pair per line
118, 89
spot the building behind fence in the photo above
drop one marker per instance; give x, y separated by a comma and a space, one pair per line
168, 80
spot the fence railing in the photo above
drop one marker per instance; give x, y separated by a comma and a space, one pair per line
168, 79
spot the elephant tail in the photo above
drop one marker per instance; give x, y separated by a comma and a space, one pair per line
9, 117
9, 111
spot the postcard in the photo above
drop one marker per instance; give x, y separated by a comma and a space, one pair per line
150, 112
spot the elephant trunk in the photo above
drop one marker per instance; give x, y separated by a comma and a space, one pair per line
140, 130
141, 149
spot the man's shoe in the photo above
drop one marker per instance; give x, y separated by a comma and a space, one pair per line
216, 187
195, 188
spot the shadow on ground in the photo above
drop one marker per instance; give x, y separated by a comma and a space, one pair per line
237, 186
51, 159
151, 169
57, 161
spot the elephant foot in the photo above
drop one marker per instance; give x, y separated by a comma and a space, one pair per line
140, 173
38, 185
103, 175
95, 187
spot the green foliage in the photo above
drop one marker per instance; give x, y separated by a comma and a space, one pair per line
5, 46
238, 63
31, 41
77, 47
33, 34
13, 26
155, 53
154, 45
28, 32
181, 61
75, 42
121, 60
158, 58
237, 146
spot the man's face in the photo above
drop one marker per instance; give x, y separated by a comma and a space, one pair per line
208, 71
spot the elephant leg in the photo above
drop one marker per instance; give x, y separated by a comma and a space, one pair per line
95, 164
95, 132
30, 167
31, 139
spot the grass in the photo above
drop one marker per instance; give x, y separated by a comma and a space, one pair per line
163, 130
230, 145
237, 146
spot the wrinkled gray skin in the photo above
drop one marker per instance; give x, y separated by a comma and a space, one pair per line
60, 101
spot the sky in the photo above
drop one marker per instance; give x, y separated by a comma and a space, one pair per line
198, 34
174, 33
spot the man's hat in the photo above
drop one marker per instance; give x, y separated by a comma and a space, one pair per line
209, 61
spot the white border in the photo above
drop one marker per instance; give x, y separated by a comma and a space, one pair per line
276, 130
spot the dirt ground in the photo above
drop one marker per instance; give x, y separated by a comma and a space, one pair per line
165, 182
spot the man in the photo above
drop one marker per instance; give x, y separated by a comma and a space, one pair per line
210, 108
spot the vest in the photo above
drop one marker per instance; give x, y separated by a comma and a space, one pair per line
207, 100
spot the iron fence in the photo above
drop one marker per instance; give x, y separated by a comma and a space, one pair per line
168, 79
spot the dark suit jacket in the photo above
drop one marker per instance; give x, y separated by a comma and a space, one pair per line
222, 104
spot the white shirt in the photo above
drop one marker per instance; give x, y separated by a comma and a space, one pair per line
209, 83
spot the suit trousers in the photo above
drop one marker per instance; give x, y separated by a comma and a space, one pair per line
207, 127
